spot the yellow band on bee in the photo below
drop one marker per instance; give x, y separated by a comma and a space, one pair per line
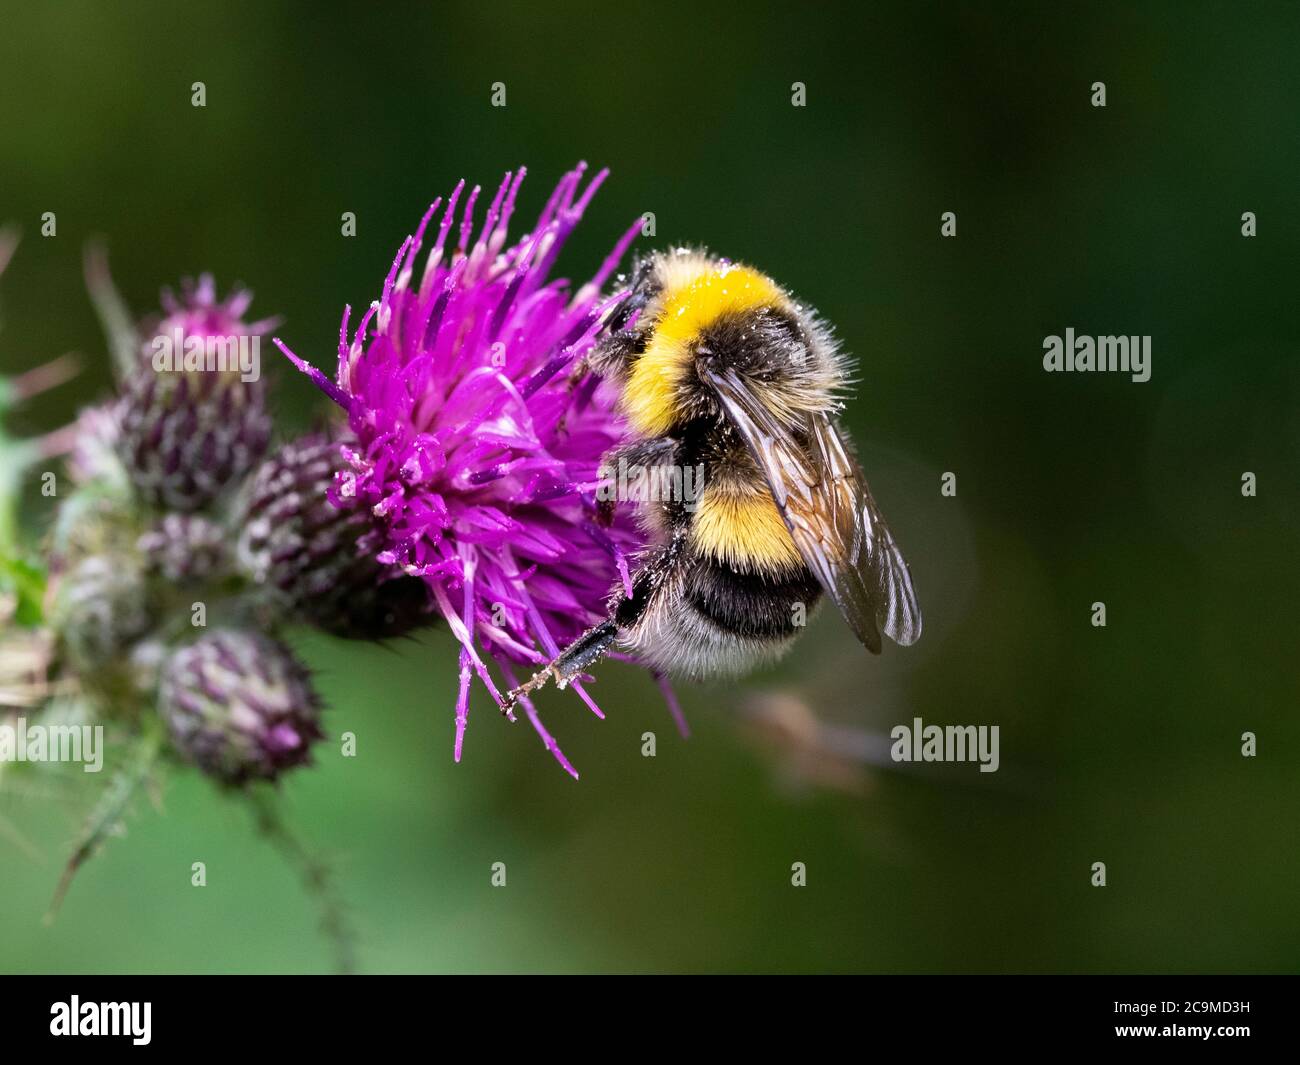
689, 307
746, 532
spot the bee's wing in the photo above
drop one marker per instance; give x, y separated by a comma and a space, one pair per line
832, 518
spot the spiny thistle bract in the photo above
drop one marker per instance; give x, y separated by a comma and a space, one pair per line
479, 439
184, 548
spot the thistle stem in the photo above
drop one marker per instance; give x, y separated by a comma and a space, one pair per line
107, 814
114, 317
315, 874
44, 377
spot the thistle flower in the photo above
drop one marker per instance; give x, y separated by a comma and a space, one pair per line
319, 560
239, 705
187, 430
477, 442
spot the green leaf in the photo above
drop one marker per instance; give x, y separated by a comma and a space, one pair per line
26, 581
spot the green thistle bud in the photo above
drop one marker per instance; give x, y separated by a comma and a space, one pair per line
240, 706
184, 548
98, 608
317, 558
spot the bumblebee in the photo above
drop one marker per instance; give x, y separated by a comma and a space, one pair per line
720, 368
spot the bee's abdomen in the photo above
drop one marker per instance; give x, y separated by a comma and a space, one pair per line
751, 605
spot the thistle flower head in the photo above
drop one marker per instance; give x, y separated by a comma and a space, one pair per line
477, 444
190, 422
94, 455
239, 705
197, 312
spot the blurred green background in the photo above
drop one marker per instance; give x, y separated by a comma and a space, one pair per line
1119, 744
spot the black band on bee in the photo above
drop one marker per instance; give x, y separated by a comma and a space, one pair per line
752, 605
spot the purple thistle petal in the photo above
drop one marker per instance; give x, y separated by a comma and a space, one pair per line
322, 382
548, 741
674, 707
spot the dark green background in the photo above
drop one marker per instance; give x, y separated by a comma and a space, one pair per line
1119, 745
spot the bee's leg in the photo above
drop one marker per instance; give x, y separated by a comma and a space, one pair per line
618, 344
596, 642
608, 355
642, 290
588, 648
629, 458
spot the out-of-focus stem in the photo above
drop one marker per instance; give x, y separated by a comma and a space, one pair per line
316, 875
108, 813
44, 377
114, 315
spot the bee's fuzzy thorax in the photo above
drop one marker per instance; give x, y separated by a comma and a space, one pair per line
701, 308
